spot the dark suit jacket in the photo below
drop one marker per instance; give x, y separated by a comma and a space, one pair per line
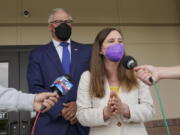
44, 67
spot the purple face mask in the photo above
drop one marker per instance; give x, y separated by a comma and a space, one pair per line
115, 52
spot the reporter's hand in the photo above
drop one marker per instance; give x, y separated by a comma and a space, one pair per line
47, 99
69, 112
144, 72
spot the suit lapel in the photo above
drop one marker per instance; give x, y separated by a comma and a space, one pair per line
74, 57
54, 57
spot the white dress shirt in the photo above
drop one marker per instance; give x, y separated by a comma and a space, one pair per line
59, 48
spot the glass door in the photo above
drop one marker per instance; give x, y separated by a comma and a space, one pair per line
9, 122
4, 66
13, 67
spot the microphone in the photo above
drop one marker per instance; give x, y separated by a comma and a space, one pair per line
129, 63
61, 86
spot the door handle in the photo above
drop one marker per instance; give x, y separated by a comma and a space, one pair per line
24, 124
14, 128
25, 129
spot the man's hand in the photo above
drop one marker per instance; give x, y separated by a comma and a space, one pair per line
69, 112
47, 99
73, 120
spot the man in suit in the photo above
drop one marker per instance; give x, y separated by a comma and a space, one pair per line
59, 57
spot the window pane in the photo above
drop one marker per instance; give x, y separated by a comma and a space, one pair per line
4, 74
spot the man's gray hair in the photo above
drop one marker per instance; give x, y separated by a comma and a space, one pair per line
54, 11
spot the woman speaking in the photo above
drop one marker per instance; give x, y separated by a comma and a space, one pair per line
110, 100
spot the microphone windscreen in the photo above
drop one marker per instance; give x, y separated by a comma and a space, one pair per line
129, 62
68, 77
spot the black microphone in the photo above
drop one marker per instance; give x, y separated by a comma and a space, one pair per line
61, 86
129, 63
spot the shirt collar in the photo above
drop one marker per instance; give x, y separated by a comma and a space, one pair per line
57, 43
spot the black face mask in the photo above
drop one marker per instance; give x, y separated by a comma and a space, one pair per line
63, 32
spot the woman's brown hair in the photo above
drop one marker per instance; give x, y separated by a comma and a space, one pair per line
126, 77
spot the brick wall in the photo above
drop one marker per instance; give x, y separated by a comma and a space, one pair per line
157, 127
